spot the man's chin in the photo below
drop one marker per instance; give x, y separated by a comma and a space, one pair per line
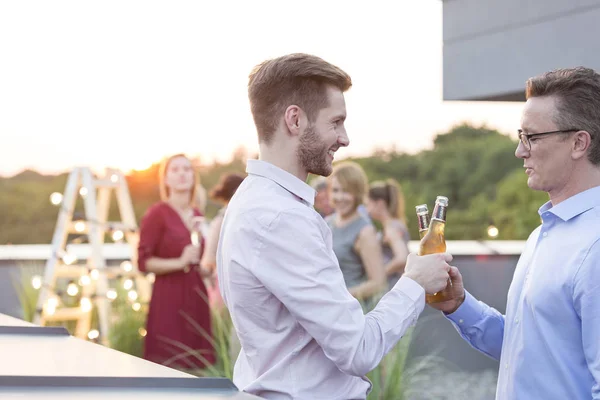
322, 171
534, 185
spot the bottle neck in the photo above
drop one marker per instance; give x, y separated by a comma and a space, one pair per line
439, 212
423, 220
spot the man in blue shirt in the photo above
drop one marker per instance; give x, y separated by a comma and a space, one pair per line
548, 343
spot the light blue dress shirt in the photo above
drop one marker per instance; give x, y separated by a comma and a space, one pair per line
548, 343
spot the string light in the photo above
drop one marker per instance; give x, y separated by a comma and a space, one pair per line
492, 231
83, 191
142, 332
36, 282
93, 334
117, 235
94, 274
85, 280
132, 294
128, 284
86, 304
111, 294
136, 306
79, 226
72, 289
56, 198
51, 305
69, 258
114, 178
127, 266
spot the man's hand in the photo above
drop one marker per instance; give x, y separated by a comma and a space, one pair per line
430, 271
457, 294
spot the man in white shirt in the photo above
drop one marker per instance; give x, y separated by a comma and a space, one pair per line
303, 335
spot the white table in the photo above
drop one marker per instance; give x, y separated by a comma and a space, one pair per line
45, 363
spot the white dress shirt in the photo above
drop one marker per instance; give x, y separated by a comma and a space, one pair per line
303, 335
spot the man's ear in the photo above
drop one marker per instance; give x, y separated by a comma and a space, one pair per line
582, 141
292, 119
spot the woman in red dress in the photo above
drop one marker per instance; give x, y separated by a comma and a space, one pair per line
179, 321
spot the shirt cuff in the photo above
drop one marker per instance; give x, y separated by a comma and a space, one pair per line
469, 313
413, 291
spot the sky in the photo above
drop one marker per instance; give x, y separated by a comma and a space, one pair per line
124, 83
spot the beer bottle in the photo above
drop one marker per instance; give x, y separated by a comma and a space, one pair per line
423, 219
435, 242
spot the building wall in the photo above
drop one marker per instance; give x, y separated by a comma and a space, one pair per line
492, 47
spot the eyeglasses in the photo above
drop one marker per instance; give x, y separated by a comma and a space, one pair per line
525, 137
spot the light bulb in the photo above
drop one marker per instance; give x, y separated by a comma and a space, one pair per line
117, 235
136, 306
111, 294
492, 231
51, 305
128, 284
56, 198
69, 258
85, 280
79, 226
85, 304
83, 191
72, 289
93, 334
132, 294
127, 266
36, 282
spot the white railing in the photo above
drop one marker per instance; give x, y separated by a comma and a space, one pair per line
122, 251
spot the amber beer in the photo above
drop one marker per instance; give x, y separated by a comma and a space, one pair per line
435, 242
423, 219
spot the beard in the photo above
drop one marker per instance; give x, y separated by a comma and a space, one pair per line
312, 153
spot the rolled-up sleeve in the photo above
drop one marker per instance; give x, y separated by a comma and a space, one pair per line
307, 279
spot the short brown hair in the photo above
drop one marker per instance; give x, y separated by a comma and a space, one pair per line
353, 180
391, 193
577, 93
226, 187
295, 79
162, 171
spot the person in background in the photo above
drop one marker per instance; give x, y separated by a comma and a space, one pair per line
355, 241
222, 193
177, 311
385, 205
322, 203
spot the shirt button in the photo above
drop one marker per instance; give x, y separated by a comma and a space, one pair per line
516, 320
506, 366
460, 321
545, 234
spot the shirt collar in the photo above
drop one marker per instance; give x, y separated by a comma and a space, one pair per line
283, 178
574, 205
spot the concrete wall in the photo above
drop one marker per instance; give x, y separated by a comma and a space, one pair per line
492, 47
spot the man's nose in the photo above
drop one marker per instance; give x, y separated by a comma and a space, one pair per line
521, 151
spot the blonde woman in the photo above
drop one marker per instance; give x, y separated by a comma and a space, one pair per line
177, 309
354, 237
385, 205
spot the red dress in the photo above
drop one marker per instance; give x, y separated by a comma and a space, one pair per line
179, 310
